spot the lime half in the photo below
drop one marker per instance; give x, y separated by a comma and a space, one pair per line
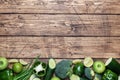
23, 62
88, 62
13, 60
74, 77
76, 61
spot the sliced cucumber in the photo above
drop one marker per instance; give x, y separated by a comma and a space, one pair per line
119, 77
76, 61
89, 73
88, 62
23, 62
36, 79
50, 70
52, 63
74, 77
32, 77
113, 65
13, 60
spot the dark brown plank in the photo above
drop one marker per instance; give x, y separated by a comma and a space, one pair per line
60, 6
60, 47
59, 25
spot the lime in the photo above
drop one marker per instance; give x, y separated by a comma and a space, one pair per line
55, 78
88, 62
17, 67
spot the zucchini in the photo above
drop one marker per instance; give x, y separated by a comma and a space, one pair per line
50, 70
74, 77
109, 75
89, 73
113, 65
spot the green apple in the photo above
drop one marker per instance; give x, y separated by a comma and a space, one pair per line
3, 63
99, 67
55, 78
17, 67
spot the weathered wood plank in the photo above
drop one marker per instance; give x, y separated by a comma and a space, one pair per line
60, 6
59, 25
60, 47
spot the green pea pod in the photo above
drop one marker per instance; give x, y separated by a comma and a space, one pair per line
40, 69
109, 75
6, 74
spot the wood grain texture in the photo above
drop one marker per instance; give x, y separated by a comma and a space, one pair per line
60, 47
59, 25
60, 6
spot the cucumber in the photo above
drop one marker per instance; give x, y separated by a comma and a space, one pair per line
89, 73
50, 70
113, 65
74, 77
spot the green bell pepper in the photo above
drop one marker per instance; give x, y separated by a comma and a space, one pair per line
40, 69
6, 74
109, 75
78, 69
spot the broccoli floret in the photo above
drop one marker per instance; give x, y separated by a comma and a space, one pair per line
63, 69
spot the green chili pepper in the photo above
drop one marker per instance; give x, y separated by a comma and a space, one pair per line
40, 69
109, 75
6, 74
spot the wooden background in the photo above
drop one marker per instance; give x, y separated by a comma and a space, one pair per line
62, 29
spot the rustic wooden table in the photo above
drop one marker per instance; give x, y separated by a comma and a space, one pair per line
60, 28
